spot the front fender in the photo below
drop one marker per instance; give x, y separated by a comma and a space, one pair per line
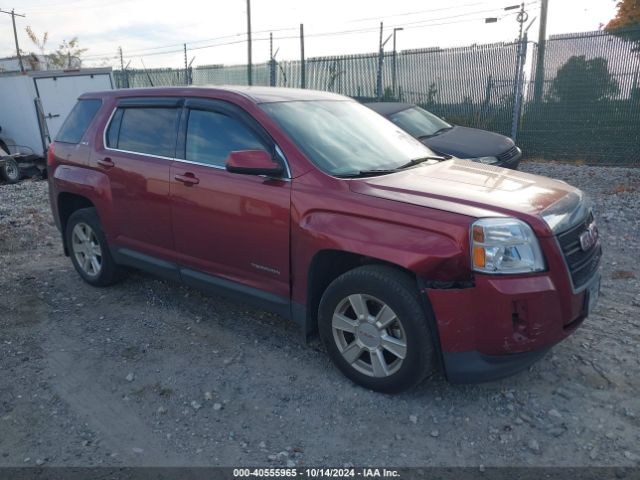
434, 250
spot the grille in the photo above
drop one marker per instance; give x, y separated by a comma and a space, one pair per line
508, 155
582, 264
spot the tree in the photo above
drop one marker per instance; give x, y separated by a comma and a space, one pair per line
626, 23
431, 94
628, 15
37, 62
581, 81
68, 54
39, 42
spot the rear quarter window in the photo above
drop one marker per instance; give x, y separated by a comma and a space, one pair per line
78, 121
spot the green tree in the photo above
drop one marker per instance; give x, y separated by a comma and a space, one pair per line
431, 94
68, 55
581, 81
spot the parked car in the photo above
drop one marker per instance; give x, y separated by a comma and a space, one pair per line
446, 139
312, 206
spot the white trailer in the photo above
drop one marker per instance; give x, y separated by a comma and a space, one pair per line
33, 105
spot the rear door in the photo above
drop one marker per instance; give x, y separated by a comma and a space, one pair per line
228, 225
139, 146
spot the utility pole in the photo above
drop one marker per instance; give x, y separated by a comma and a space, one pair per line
393, 73
542, 44
303, 66
15, 34
523, 16
249, 62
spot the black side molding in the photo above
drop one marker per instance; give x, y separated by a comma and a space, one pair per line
156, 266
203, 281
237, 291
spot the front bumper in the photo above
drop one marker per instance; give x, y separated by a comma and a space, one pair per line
502, 325
474, 367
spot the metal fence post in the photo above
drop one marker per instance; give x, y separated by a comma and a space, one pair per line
517, 100
272, 63
379, 71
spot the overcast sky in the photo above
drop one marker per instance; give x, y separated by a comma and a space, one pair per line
141, 26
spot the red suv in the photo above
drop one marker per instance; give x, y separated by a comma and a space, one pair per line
312, 206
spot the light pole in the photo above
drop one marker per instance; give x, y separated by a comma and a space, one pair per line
393, 73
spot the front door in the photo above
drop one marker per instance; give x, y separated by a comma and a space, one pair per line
228, 225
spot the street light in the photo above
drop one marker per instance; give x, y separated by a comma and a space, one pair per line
393, 79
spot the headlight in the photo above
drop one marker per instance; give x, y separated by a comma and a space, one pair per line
485, 160
504, 245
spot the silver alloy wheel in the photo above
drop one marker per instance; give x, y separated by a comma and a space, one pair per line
86, 249
369, 335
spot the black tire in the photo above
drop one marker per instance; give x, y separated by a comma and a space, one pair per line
109, 272
399, 292
10, 171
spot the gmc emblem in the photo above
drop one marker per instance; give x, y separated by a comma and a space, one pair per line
589, 238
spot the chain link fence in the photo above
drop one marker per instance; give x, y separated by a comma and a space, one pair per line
583, 106
586, 105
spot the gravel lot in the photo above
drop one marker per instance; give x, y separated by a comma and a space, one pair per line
153, 373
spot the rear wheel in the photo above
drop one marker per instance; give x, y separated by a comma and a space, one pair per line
10, 170
89, 250
375, 329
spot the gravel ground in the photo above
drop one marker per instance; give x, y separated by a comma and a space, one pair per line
153, 373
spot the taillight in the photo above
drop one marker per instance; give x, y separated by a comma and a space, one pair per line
50, 156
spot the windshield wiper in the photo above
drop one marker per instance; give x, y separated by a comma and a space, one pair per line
367, 173
386, 171
437, 132
418, 161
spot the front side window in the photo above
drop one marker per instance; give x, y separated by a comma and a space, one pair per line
78, 121
211, 136
144, 130
343, 137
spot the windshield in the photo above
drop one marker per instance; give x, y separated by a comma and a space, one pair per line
344, 137
419, 122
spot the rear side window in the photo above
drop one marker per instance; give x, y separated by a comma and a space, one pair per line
211, 136
147, 130
78, 121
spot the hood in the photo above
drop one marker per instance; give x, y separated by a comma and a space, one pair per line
468, 188
463, 142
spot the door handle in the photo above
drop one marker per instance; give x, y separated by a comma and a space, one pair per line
106, 163
188, 179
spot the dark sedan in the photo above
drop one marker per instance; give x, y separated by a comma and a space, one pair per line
462, 142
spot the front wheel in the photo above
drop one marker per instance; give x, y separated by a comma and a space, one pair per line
375, 329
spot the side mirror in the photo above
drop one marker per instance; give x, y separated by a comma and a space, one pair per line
253, 162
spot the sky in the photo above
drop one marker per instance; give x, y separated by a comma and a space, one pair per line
152, 32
